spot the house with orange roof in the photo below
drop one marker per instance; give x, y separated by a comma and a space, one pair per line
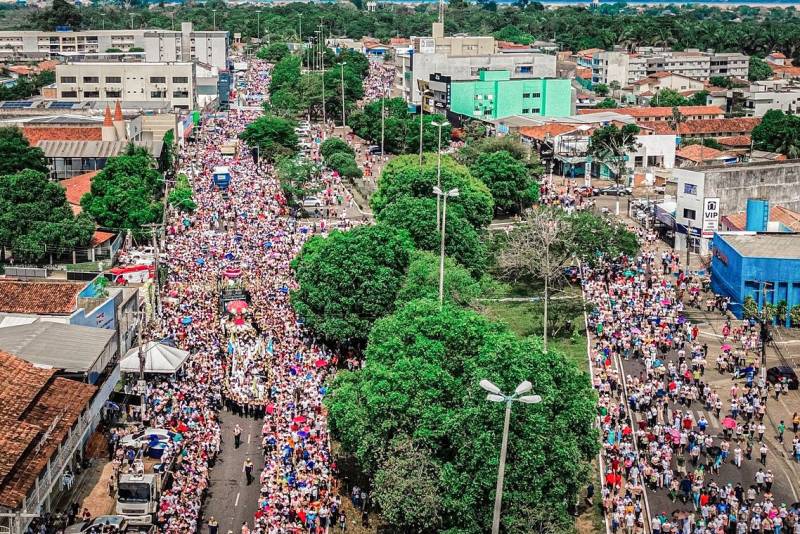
692, 155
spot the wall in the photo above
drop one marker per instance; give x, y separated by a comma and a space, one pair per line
507, 98
779, 183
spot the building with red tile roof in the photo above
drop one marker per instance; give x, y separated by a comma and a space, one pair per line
709, 128
39, 298
662, 113
40, 414
698, 154
785, 217
735, 141
76, 187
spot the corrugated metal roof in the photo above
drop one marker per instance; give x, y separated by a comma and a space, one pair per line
91, 149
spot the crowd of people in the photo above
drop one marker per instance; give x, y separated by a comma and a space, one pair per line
649, 368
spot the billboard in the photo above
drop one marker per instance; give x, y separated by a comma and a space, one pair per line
710, 216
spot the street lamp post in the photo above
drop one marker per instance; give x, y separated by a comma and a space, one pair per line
103, 15
383, 118
342, 64
421, 113
495, 395
438, 125
131, 20
258, 24
215, 18
440, 193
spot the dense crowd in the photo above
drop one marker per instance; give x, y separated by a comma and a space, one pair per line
651, 438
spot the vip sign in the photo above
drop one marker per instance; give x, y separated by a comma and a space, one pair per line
710, 216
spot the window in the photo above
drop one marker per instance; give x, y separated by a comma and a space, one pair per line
158, 79
525, 111
487, 112
689, 189
524, 68
91, 94
158, 94
180, 94
535, 110
91, 79
69, 94
68, 79
180, 79
113, 79
113, 94
536, 95
526, 95
688, 214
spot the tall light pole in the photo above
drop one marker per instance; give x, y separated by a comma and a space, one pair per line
421, 113
258, 24
300, 36
214, 11
440, 193
383, 118
172, 24
342, 64
131, 20
495, 395
438, 164
324, 118
103, 15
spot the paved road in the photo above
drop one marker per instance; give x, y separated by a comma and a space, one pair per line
230, 500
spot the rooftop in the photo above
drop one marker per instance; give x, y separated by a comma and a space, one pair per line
76, 187
700, 153
37, 410
727, 127
752, 245
662, 111
790, 219
39, 298
73, 348
735, 141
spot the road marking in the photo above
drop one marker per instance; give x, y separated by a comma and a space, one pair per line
248, 438
237, 499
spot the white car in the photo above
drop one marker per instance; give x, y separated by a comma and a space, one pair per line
142, 437
312, 202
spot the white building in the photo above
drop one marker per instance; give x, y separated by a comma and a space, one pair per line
172, 83
763, 96
625, 68
209, 47
462, 58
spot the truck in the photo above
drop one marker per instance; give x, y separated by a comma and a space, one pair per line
222, 177
139, 491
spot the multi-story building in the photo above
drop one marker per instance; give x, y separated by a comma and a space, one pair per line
462, 58
495, 96
172, 83
760, 97
209, 47
626, 68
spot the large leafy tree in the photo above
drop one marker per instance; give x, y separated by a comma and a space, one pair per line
403, 176
273, 52
422, 281
759, 70
420, 383
297, 177
418, 217
60, 13
285, 73
16, 154
475, 148
778, 132
350, 279
36, 220
592, 237
509, 180
123, 193
274, 136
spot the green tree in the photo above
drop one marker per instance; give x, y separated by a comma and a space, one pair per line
508, 179
180, 196
778, 132
36, 220
16, 154
345, 164
356, 61
297, 176
592, 237
668, 98
350, 279
610, 146
123, 193
273, 52
759, 70
513, 34
403, 176
60, 13
418, 217
607, 103
285, 73
700, 98
600, 89
333, 145
422, 281
421, 383
470, 152
274, 137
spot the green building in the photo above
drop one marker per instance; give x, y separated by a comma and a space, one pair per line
496, 96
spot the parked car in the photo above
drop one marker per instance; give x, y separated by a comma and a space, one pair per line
586, 191
312, 202
102, 523
374, 150
143, 437
616, 190
783, 373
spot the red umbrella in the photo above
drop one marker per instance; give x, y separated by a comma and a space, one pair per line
299, 419
236, 306
729, 422
726, 347
320, 363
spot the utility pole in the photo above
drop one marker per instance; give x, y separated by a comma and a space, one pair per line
383, 118
156, 258
764, 332
342, 64
142, 385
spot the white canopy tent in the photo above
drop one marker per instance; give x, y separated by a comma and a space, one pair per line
158, 359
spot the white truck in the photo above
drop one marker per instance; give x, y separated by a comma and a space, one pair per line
139, 491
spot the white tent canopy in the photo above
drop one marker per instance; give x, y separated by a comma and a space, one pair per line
158, 358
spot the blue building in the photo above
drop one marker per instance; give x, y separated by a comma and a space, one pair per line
763, 266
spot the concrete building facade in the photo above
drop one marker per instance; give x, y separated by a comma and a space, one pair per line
172, 83
626, 68
462, 58
209, 47
760, 97
495, 96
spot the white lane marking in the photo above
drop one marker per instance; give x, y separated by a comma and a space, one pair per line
248, 438
237, 499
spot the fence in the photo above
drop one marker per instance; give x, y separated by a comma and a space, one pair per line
26, 272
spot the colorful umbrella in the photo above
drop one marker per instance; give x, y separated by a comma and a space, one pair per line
299, 419
729, 423
320, 363
726, 347
232, 272
187, 320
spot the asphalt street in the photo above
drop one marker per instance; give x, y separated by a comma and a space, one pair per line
230, 500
